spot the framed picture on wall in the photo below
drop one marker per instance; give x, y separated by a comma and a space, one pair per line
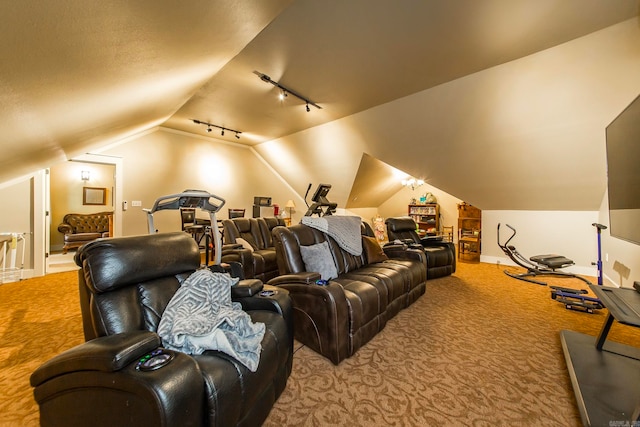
94, 196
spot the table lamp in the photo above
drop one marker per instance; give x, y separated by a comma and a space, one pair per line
290, 206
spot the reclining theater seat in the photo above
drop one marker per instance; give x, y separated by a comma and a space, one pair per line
257, 255
125, 286
441, 256
337, 319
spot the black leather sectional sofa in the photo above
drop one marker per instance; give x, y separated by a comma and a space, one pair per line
338, 318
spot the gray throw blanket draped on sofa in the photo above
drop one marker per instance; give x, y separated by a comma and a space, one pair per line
345, 230
201, 316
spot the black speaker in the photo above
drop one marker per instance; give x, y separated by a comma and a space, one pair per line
262, 201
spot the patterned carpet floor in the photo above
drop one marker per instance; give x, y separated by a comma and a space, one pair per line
478, 349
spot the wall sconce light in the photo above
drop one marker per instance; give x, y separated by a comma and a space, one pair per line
284, 91
412, 183
222, 129
85, 175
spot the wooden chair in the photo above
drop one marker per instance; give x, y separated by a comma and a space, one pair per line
191, 225
447, 233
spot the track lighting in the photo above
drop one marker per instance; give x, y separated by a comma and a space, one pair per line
284, 91
211, 125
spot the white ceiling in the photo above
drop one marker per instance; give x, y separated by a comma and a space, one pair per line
79, 74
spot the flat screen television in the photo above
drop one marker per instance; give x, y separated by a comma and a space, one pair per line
623, 173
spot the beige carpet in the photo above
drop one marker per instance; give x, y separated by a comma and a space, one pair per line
479, 348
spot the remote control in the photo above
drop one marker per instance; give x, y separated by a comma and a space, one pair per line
267, 293
154, 360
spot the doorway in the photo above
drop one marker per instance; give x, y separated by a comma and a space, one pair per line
64, 194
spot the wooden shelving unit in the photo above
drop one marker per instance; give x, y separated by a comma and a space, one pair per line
427, 217
469, 229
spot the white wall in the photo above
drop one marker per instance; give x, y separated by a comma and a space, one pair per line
566, 233
621, 259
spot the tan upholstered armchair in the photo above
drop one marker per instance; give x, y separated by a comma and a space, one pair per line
79, 229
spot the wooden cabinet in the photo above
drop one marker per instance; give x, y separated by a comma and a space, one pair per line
427, 218
469, 229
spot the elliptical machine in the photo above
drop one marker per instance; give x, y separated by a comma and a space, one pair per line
191, 199
321, 205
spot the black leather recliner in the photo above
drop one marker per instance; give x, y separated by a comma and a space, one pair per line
258, 261
125, 285
441, 256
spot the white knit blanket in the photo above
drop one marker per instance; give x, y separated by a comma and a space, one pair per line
201, 316
345, 230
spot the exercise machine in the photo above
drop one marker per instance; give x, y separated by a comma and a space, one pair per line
538, 265
321, 205
576, 299
192, 199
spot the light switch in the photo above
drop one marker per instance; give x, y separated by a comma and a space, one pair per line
136, 203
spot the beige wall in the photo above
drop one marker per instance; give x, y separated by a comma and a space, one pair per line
502, 139
66, 189
166, 162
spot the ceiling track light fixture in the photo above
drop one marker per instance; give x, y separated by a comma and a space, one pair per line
284, 91
211, 125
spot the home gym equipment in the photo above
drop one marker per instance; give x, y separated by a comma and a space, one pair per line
191, 199
538, 265
598, 264
320, 201
576, 299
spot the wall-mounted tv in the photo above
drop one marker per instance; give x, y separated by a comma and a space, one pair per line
623, 170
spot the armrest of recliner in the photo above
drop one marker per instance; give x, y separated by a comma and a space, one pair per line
103, 371
432, 241
273, 299
230, 247
307, 277
404, 252
321, 314
246, 288
239, 255
107, 354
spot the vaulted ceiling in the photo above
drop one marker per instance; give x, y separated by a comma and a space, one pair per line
78, 74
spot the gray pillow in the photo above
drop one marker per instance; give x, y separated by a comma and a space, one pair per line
318, 258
